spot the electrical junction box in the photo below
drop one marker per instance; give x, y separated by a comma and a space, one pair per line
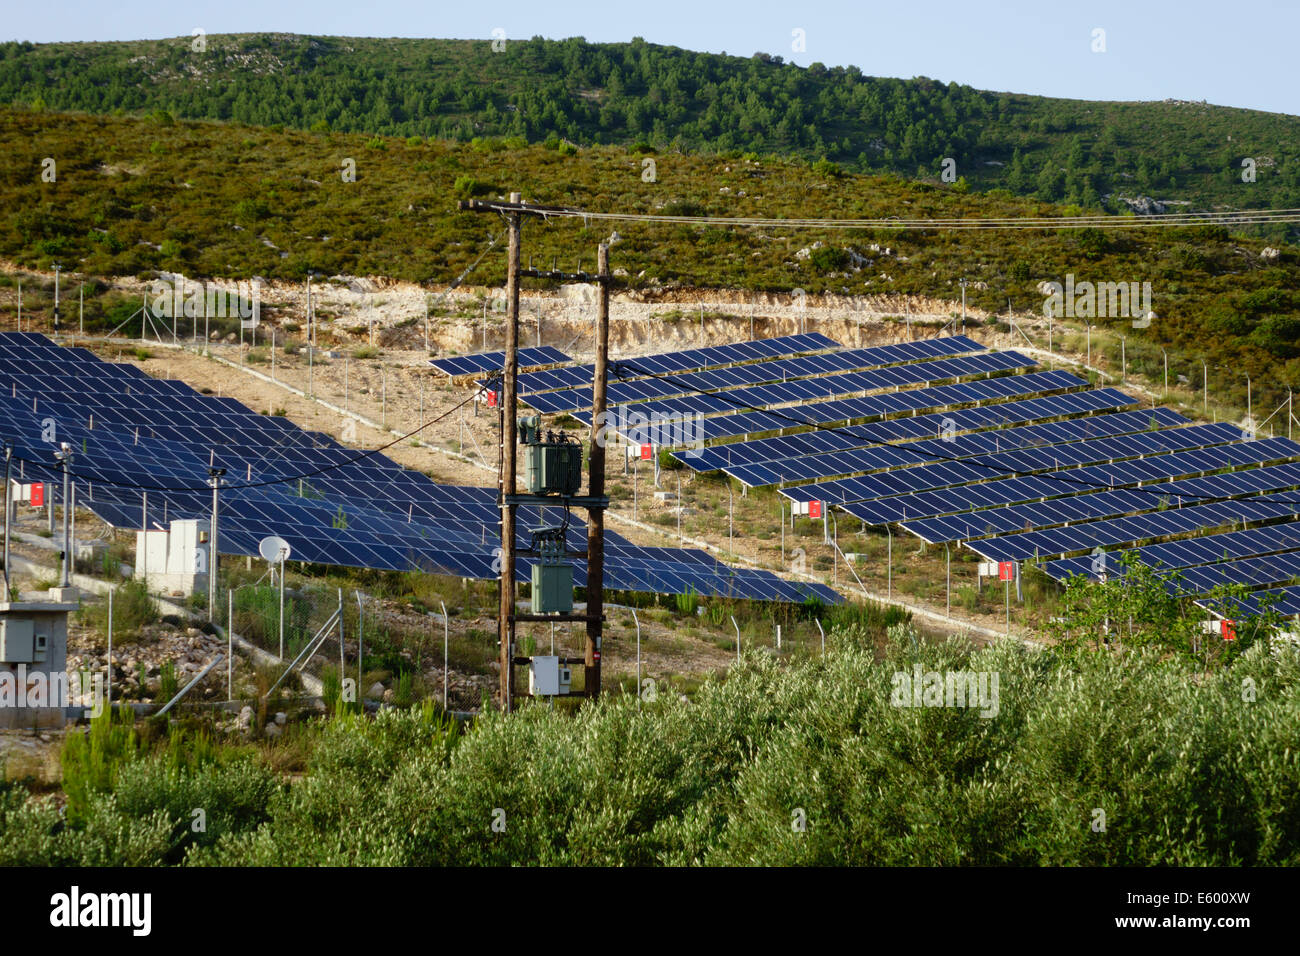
547, 677
34, 643
544, 676
18, 641
552, 587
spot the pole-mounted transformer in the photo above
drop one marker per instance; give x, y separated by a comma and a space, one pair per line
553, 466
552, 463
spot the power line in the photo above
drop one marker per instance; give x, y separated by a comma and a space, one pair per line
1237, 217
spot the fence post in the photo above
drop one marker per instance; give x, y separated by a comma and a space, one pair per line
110, 647
446, 635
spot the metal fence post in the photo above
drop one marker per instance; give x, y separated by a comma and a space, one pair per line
446, 637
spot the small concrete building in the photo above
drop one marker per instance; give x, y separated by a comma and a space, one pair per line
36, 691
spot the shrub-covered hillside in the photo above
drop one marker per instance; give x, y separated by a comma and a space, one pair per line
624, 93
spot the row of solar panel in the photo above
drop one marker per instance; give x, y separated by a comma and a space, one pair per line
374, 541
1284, 601
1044, 436
825, 388
1249, 573
532, 357
1183, 553
850, 410
957, 421
1000, 465
1132, 529
627, 567
686, 360
981, 500
637, 389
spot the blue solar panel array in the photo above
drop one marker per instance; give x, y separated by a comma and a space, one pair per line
956, 474
1255, 572
1134, 528
132, 434
876, 406
686, 360
782, 448
1186, 552
824, 388
477, 364
1061, 436
1284, 601
973, 508
997, 476
639, 389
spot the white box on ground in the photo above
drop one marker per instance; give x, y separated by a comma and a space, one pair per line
175, 561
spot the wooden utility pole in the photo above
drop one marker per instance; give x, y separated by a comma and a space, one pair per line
509, 448
596, 486
509, 497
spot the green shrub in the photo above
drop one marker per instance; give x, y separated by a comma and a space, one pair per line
688, 603
90, 761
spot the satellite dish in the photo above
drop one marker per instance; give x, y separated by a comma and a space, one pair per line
274, 548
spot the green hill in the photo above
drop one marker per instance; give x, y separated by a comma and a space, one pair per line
132, 196
624, 93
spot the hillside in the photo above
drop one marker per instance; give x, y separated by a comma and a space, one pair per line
133, 196
1057, 150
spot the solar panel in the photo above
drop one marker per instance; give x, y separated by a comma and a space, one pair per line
686, 360
1187, 552
825, 387
871, 406
1284, 601
626, 386
478, 363
956, 421
1135, 528
1256, 572
1056, 438
982, 500
955, 474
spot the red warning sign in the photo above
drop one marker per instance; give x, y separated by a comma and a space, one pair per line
1228, 629
38, 494
1006, 570
491, 399
814, 509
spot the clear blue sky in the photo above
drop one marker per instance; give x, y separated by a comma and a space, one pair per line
1228, 53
